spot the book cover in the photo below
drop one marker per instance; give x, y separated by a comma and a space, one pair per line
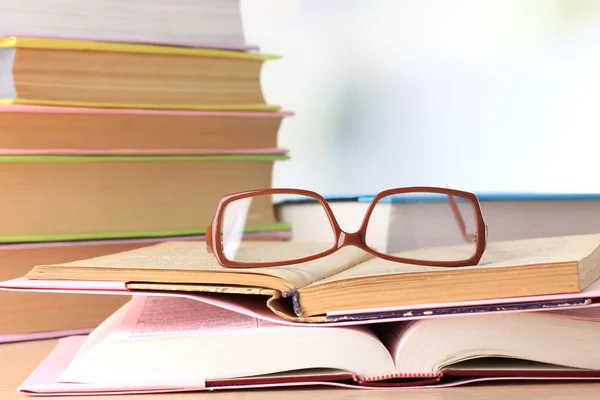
254, 303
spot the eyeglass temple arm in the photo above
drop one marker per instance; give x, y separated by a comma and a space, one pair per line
209, 239
469, 237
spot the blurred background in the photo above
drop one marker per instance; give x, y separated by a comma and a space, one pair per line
485, 96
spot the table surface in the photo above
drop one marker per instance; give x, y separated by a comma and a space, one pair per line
18, 360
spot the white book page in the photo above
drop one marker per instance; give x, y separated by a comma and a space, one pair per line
171, 257
497, 255
391, 334
167, 339
169, 317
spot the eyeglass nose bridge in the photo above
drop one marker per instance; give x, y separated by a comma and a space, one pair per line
350, 239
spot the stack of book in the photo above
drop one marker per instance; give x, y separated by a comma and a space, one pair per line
121, 124
528, 311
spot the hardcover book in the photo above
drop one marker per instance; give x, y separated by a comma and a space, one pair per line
101, 74
124, 196
512, 216
106, 131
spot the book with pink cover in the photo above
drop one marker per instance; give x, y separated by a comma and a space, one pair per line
26, 337
169, 344
44, 379
255, 304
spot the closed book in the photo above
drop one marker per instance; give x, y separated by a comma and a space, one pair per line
510, 216
21, 314
216, 23
83, 130
53, 198
101, 74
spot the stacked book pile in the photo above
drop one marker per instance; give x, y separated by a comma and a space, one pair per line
121, 125
528, 311
119, 136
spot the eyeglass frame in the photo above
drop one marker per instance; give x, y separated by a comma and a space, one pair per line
357, 239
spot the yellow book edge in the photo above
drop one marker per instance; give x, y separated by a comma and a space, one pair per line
89, 45
198, 107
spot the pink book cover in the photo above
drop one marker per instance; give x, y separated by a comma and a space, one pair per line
91, 110
43, 381
256, 307
24, 337
132, 152
117, 111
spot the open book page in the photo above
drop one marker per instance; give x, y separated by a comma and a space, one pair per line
196, 341
107, 326
506, 364
192, 256
162, 317
391, 334
500, 254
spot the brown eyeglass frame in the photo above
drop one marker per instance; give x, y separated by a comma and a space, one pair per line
342, 238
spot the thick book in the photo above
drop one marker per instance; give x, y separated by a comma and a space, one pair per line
510, 216
169, 344
20, 313
85, 73
83, 130
202, 23
351, 279
54, 198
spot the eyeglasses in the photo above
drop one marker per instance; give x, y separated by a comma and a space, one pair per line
427, 226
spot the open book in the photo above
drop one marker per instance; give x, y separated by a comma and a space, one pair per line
161, 340
349, 279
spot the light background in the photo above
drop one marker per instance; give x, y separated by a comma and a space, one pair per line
479, 95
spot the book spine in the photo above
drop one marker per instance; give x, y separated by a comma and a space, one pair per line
293, 293
400, 375
423, 379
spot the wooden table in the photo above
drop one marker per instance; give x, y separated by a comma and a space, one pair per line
17, 360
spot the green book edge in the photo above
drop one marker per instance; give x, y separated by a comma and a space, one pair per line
108, 158
278, 226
